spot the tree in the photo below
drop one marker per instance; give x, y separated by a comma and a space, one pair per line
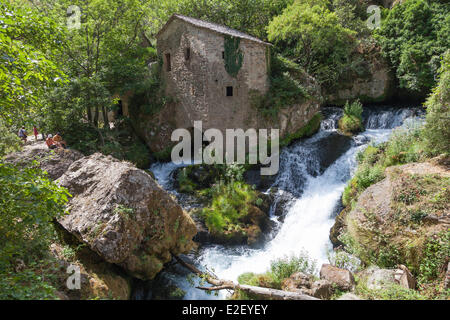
312, 35
28, 41
414, 36
437, 127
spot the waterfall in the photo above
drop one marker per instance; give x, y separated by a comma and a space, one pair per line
313, 174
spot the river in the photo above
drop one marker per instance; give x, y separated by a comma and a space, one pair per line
313, 174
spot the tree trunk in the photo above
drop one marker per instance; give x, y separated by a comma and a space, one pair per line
105, 118
89, 113
220, 284
96, 114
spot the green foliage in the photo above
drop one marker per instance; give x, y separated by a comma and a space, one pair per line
9, 141
413, 36
28, 41
28, 205
306, 131
286, 88
437, 126
312, 35
388, 292
435, 256
280, 269
29, 202
283, 268
248, 16
25, 285
233, 56
405, 145
230, 202
163, 155
351, 121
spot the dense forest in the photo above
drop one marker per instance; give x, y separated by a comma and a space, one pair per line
64, 66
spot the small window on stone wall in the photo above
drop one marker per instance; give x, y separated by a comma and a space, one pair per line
168, 66
229, 91
223, 54
187, 54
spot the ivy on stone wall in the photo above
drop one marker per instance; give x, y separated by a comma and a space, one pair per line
233, 56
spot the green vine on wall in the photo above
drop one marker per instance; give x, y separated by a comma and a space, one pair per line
233, 56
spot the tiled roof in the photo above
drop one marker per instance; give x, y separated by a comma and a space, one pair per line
213, 27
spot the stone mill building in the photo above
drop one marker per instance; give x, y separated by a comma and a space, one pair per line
211, 71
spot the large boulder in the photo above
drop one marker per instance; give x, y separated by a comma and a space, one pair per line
54, 162
342, 278
376, 278
399, 216
122, 214
304, 283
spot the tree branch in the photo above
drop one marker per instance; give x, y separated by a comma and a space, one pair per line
220, 284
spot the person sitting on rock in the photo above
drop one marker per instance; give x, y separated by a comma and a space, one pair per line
59, 141
50, 142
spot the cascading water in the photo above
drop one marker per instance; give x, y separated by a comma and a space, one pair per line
313, 174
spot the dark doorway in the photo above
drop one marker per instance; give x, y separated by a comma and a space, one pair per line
119, 108
229, 91
168, 66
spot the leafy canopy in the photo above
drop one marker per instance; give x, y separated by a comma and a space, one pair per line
314, 37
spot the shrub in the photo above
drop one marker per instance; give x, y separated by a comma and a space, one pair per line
413, 36
351, 122
435, 255
229, 203
437, 126
283, 268
286, 88
280, 269
9, 141
28, 205
389, 292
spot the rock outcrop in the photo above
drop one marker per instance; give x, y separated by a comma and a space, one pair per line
342, 278
376, 278
123, 215
373, 85
98, 279
305, 284
54, 162
410, 206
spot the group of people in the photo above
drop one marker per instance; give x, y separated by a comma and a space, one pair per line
23, 134
55, 142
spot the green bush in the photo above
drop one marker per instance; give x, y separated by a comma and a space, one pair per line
435, 255
286, 88
283, 268
351, 121
389, 292
405, 145
437, 127
229, 203
29, 203
413, 35
280, 269
9, 141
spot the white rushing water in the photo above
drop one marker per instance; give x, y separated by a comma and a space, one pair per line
313, 194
